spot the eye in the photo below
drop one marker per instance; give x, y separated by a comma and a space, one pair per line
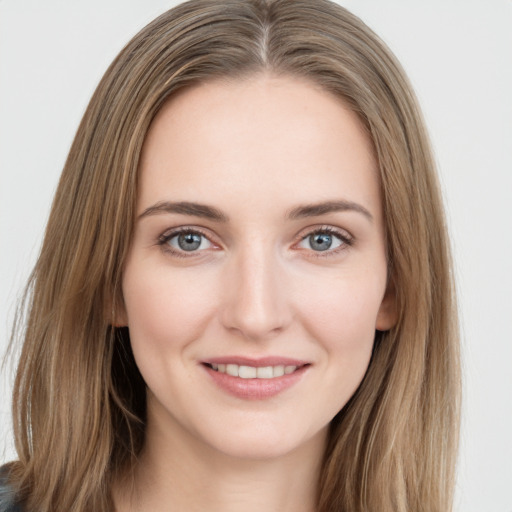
325, 239
185, 241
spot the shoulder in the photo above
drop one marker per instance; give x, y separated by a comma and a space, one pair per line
6, 494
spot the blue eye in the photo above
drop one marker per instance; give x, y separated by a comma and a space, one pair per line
324, 240
187, 241
321, 241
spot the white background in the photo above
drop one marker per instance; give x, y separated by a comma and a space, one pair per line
458, 54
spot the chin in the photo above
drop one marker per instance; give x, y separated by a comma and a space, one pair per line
265, 442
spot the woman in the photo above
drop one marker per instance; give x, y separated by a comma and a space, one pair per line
244, 297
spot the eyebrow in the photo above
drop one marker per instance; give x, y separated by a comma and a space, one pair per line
209, 212
186, 208
313, 210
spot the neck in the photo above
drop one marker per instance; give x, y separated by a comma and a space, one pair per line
177, 471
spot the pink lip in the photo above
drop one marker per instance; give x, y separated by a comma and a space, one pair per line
255, 389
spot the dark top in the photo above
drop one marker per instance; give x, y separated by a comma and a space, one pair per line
6, 495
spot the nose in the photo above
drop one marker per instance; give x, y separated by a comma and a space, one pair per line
256, 304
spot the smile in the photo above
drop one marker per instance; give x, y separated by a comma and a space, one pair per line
253, 372
255, 379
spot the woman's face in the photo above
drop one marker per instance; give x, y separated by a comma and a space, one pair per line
257, 273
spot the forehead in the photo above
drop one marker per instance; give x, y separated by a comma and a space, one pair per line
279, 138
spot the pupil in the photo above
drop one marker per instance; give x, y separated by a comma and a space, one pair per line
321, 242
189, 241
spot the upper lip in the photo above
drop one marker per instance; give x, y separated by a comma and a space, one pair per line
256, 362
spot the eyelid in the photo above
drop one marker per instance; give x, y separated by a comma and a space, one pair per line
346, 238
169, 234
343, 235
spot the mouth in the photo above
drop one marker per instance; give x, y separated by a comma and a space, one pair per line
254, 372
251, 379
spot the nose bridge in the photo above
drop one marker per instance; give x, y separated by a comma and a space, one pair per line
257, 303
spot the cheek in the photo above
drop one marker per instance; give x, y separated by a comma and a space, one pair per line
342, 314
165, 309
340, 319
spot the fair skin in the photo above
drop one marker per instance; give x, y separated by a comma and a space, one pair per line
250, 276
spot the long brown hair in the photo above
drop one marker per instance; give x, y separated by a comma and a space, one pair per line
79, 401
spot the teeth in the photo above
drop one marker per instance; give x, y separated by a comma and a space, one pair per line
278, 371
232, 369
265, 372
247, 372
252, 372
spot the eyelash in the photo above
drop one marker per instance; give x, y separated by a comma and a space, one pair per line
163, 240
346, 241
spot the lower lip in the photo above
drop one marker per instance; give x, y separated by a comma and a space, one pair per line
255, 389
